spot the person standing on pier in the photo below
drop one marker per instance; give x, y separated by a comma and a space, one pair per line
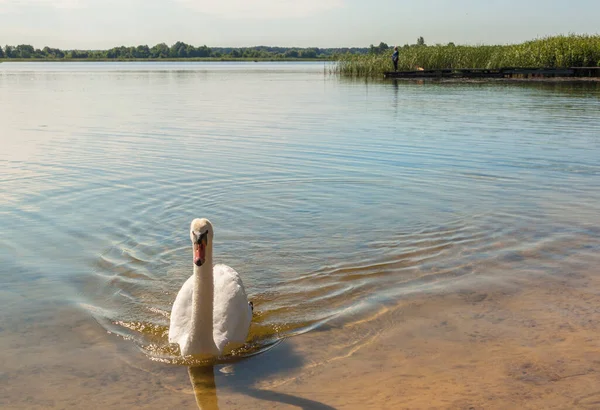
395, 58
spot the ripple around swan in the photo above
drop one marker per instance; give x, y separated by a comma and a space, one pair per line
136, 304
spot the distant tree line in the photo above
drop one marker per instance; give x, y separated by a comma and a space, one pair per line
176, 51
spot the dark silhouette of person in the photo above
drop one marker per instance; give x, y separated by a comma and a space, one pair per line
395, 58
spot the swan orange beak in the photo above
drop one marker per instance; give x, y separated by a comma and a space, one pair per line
200, 252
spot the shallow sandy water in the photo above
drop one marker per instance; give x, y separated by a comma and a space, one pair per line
527, 342
524, 344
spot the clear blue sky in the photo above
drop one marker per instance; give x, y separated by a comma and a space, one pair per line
323, 23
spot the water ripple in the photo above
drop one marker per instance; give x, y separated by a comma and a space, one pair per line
331, 198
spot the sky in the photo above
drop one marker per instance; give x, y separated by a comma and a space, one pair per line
102, 24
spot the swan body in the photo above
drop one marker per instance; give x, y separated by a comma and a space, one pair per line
211, 310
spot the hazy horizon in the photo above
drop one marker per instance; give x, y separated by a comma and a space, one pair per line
103, 24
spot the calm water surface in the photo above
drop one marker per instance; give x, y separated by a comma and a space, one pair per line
330, 197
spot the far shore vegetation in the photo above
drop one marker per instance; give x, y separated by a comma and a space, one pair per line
176, 52
549, 52
574, 50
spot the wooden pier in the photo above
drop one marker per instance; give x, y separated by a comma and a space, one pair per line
508, 72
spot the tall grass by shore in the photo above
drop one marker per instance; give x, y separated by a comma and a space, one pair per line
555, 52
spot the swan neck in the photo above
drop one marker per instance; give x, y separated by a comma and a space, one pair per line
203, 307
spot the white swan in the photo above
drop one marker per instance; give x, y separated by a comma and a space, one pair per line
211, 309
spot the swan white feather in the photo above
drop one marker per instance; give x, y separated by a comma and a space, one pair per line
231, 312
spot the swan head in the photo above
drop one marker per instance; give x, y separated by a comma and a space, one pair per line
201, 234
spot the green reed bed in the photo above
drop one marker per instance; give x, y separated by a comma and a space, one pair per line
552, 52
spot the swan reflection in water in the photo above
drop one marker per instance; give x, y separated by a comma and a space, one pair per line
205, 391
205, 388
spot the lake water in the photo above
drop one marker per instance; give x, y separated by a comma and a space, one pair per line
331, 197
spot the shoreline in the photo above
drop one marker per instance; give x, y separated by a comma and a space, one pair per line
324, 61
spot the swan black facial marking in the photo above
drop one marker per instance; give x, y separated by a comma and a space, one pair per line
202, 236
